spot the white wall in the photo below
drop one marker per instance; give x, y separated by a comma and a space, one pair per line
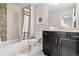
14, 18
31, 20
41, 10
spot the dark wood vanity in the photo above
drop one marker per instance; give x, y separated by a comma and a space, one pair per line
59, 43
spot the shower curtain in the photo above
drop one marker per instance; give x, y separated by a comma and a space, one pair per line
3, 19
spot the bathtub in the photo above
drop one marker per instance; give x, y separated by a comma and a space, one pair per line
15, 49
8, 42
21, 48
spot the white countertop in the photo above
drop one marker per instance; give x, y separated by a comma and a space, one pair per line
65, 30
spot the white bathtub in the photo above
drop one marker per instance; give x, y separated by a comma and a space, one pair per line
22, 48
8, 42
15, 49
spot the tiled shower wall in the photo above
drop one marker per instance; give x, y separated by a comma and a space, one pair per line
3, 19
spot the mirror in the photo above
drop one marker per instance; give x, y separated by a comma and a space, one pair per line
63, 15
66, 20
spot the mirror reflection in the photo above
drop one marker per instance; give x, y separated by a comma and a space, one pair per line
62, 15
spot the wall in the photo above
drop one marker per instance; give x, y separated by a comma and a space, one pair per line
31, 20
14, 18
41, 10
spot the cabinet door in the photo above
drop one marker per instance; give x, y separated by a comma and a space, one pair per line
69, 47
50, 45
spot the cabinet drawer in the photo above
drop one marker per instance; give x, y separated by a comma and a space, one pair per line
62, 35
75, 36
50, 34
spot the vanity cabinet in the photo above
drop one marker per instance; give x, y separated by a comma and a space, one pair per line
56, 43
50, 42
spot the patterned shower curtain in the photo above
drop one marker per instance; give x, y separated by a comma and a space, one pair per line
3, 19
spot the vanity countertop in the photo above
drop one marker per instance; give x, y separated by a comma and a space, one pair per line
65, 30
